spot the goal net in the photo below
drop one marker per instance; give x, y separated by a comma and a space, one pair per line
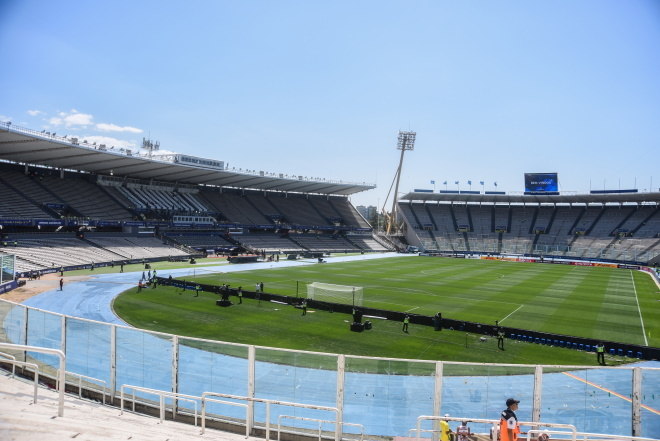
327, 292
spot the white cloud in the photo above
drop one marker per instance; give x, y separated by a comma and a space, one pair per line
104, 127
35, 112
5, 118
107, 140
71, 119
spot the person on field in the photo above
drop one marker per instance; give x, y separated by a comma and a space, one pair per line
600, 354
406, 321
500, 339
61, 284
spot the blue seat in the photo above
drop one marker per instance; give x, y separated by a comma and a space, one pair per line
556, 343
587, 348
620, 351
639, 355
630, 354
543, 341
581, 346
537, 340
575, 345
612, 351
562, 343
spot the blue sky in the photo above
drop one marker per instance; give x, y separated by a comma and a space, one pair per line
493, 89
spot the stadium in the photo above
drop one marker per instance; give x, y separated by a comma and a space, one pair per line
97, 217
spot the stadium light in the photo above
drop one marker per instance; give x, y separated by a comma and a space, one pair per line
405, 141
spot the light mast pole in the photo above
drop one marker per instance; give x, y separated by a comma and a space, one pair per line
405, 141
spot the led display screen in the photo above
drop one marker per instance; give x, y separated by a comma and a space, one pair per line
541, 182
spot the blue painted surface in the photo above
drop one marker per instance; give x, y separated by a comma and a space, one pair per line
385, 404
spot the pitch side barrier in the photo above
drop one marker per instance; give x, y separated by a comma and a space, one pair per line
535, 337
6, 287
535, 258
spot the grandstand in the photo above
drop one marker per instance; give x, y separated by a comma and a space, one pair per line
52, 187
69, 203
623, 227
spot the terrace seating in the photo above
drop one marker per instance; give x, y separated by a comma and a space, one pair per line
200, 241
575, 231
235, 207
132, 247
324, 243
268, 242
298, 210
349, 215
365, 242
86, 198
40, 253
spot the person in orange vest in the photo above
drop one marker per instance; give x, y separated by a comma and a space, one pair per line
509, 427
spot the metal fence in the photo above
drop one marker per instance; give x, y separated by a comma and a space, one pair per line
384, 396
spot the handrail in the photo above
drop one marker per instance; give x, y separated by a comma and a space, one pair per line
81, 376
61, 371
585, 436
230, 403
161, 394
15, 363
573, 430
321, 422
268, 404
10, 357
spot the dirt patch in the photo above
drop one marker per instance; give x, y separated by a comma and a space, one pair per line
47, 282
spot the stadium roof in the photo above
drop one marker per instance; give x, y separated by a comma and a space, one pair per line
23, 145
606, 198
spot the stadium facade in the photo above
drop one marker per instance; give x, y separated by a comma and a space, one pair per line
63, 193
611, 226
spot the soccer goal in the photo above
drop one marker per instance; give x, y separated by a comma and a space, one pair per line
327, 292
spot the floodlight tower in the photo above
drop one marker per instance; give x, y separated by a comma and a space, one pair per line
150, 146
405, 141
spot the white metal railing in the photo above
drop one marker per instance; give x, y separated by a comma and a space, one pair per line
320, 425
161, 395
268, 403
583, 436
9, 357
229, 403
62, 357
91, 379
636, 373
12, 360
495, 423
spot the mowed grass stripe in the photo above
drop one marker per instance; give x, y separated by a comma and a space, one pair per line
268, 324
551, 293
648, 294
572, 300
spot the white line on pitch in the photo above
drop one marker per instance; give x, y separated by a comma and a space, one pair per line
646, 342
412, 309
510, 314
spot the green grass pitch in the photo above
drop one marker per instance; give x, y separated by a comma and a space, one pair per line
601, 303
